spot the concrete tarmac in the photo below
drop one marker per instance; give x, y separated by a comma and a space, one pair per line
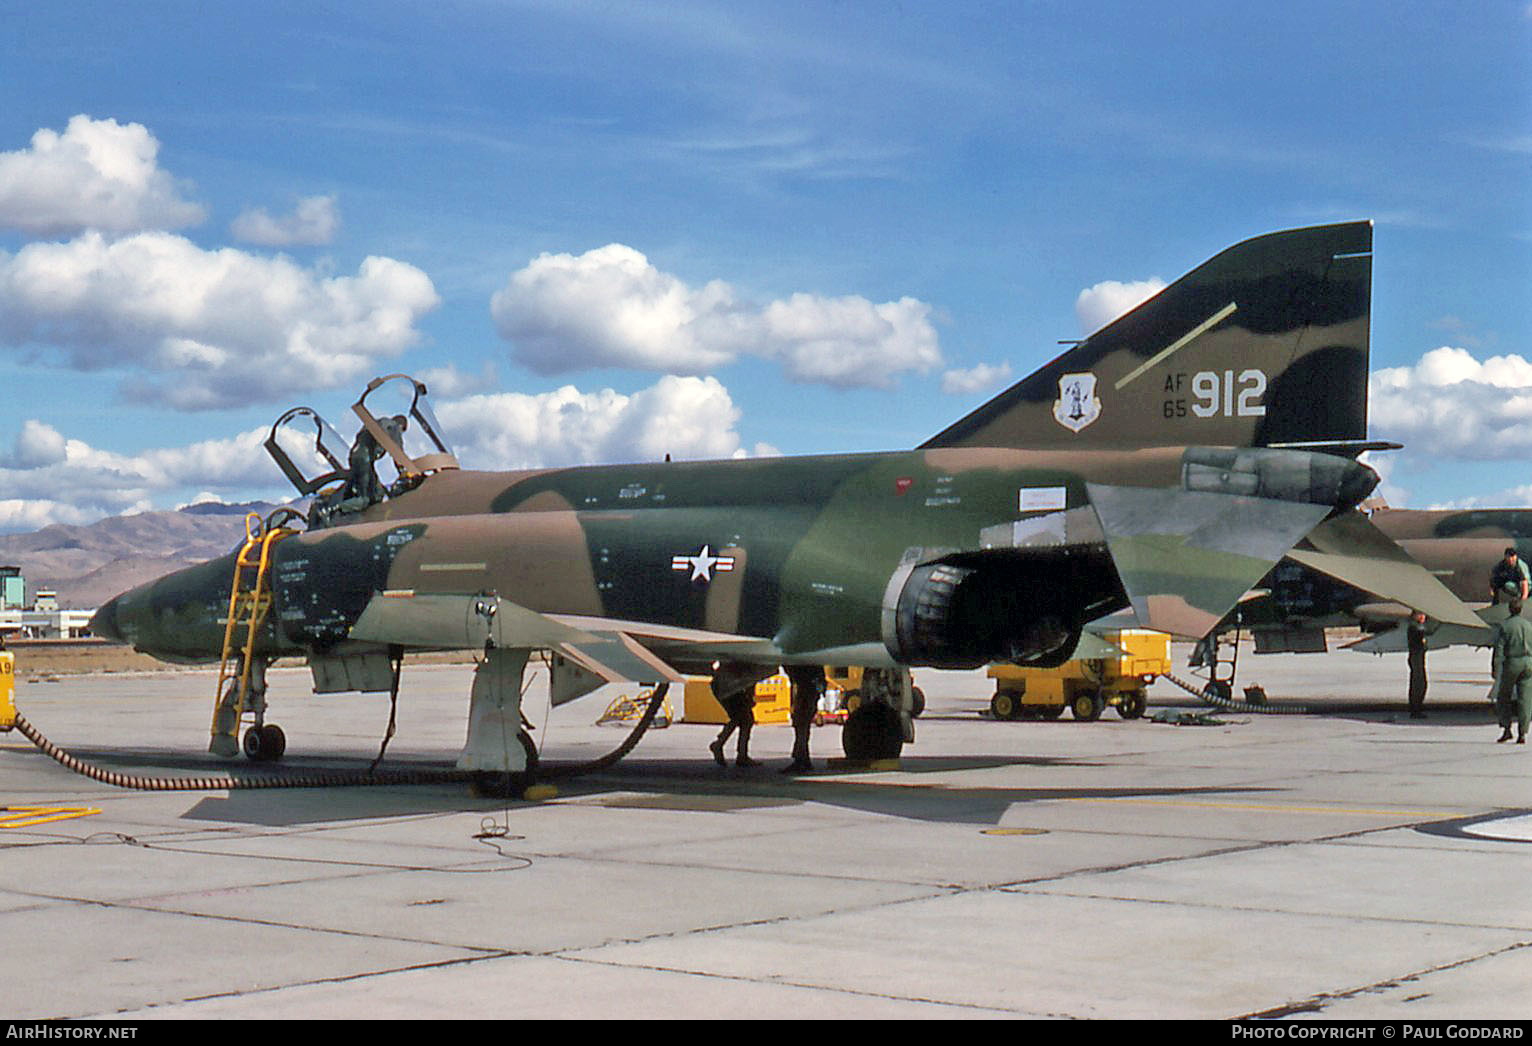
1346, 864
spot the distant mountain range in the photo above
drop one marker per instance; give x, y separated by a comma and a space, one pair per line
87, 565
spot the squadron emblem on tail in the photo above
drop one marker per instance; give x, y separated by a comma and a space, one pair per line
1077, 405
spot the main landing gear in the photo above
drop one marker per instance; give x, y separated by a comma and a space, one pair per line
883, 721
499, 748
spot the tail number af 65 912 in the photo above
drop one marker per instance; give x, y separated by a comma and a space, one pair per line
1229, 396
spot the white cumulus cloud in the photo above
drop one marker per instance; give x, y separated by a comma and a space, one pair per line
1101, 304
38, 446
610, 307
1452, 405
976, 379
50, 478
685, 417
313, 223
451, 383
97, 174
205, 329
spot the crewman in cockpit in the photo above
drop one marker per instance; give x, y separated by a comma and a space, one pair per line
362, 480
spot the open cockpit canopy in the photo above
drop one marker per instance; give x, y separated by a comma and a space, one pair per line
399, 418
396, 422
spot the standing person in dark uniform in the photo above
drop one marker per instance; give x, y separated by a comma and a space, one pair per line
808, 683
1513, 668
734, 688
1416, 639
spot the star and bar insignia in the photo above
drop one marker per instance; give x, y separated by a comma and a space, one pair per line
702, 564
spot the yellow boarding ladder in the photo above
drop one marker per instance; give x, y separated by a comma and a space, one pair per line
249, 604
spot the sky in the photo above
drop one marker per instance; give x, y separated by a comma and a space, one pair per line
610, 231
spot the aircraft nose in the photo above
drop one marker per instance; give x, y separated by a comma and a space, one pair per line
103, 622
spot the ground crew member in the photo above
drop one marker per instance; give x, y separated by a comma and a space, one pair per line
1509, 579
1513, 667
808, 686
734, 688
1416, 642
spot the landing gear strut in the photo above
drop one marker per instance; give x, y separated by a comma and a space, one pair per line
263, 742
499, 748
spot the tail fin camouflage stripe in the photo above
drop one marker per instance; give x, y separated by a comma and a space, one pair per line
1267, 343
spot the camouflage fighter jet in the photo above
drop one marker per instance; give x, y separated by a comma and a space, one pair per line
1163, 465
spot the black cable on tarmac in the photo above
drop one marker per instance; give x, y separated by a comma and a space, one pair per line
1229, 704
326, 778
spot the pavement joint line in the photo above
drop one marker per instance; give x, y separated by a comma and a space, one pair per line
1315, 1003
1179, 902
610, 964
1265, 808
780, 982
348, 977
1251, 847
245, 920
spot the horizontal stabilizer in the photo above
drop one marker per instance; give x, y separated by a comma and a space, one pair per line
1185, 558
1350, 548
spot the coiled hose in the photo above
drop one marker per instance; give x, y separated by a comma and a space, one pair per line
328, 778
1209, 696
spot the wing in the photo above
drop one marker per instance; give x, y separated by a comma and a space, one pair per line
607, 649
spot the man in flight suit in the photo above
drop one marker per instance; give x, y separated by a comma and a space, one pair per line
1509, 579
808, 682
734, 687
1513, 667
1416, 637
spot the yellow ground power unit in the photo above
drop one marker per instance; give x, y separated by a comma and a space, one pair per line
7, 690
773, 702
1115, 671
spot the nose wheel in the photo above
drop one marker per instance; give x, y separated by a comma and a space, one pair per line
265, 744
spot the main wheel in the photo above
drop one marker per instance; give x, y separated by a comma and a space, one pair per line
1087, 706
872, 732
1005, 705
1218, 690
1133, 704
509, 785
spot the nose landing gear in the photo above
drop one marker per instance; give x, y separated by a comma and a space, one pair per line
265, 744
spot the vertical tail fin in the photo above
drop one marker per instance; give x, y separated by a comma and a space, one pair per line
1264, 344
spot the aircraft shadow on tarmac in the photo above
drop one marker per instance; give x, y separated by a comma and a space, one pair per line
695, 787
654, 784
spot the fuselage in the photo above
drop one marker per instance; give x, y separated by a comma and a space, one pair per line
797, 553
1459, 546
